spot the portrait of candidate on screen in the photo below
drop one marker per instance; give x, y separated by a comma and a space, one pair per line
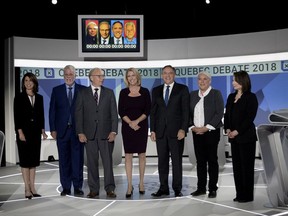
104, 29
130, 31
117, 28
91, 32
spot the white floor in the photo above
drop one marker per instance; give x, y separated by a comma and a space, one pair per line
12, 200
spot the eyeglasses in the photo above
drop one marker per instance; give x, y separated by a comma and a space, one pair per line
100, 76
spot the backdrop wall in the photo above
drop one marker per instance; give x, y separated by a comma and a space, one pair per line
170, 51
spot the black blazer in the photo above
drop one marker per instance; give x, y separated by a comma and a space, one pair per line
213, 107
24, 113
240, 116
174, 116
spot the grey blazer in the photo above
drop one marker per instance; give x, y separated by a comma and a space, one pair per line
96, 120
213, 107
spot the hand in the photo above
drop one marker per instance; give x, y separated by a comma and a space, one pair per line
181, 134
134, 125
82, 138
232, 134
111, 137
54, 134
22, 137
153, 136
44, 135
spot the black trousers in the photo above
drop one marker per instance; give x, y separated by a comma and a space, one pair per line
243, 161
206, 152
166, 147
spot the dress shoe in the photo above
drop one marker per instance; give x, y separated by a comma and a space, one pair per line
78, 192
92, 194
244, 200
65, 192
160, 193
212, 194
111, 194
198, 193
235, 199
178, 194
128, 195
28, 197
141, 191
35, 194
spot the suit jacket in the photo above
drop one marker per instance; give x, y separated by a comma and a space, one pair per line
25, 114
213, 107
174, 116
240, 116
60, 110
90, 117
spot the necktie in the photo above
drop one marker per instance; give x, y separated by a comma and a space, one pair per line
104, 41
96, 95
70, 102
118, 41
166, 98
70, 95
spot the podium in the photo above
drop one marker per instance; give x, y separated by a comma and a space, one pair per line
273, 140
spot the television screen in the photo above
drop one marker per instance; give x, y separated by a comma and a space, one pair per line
110, 36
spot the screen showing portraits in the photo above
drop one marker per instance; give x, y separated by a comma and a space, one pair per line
110, 36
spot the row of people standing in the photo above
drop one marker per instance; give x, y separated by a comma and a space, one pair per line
172, 110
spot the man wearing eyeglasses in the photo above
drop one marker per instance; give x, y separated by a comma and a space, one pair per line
97, 125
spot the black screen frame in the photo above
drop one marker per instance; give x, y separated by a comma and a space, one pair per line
111, 51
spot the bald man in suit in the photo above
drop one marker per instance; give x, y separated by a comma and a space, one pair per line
97, 125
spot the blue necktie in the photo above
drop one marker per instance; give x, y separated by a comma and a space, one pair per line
70, 95
166, 98
70, 102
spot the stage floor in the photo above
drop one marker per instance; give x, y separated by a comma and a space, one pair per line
12, 200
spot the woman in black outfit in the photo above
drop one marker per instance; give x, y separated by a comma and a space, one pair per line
241, 110
29, 126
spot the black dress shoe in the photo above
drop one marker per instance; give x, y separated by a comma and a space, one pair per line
212, 194
244, 200
35, 194
160, 193
198, 193
141, 191
65, 192
111, 194
78, 192
178, 194
92, 194
128, 195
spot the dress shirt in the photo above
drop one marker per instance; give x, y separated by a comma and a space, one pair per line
106, 40
126, 41
117, 39
199, 115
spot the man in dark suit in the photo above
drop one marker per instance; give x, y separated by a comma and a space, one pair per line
97, 125
62, 127
117, 29
104, 29
169, 120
